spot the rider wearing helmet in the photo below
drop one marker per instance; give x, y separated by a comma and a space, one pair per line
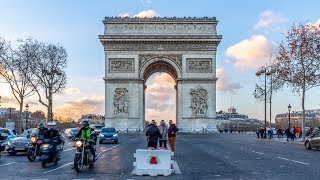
42, 129
53, 134
85, 133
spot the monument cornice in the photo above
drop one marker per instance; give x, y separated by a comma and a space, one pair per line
159, 20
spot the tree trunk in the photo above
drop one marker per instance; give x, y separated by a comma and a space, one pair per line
20, 115
50, 105
303, 112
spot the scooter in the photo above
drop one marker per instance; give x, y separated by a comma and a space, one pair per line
50, 153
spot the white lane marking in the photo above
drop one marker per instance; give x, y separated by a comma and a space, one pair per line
294, 161
176, 168
69, 149
258, 152
72, 162
7, 164
58, 168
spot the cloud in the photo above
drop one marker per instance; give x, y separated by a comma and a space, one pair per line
268, 18
160, 97
251, 53
75, 109
72, 91
148, 13
224, 82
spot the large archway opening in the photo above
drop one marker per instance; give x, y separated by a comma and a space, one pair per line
160, 93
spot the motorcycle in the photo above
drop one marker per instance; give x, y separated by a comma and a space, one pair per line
34, 148
49, 153
83, 156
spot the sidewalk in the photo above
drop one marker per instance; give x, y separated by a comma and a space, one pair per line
284, 141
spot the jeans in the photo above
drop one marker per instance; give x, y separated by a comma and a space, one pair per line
152, 144
164, 143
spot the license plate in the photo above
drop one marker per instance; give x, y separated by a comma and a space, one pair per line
19, 149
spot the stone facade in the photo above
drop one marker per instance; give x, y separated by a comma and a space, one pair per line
185, 48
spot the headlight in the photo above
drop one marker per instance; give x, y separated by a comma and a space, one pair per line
115, 135
78, 143
33, 139
44, 146
101, 135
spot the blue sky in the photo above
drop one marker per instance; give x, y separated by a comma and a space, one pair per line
250, 31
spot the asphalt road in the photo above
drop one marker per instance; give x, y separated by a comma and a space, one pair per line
199, 156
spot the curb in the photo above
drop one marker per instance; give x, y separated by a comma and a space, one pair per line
299, 143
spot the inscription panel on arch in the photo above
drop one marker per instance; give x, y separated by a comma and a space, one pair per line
121, 65
199, 65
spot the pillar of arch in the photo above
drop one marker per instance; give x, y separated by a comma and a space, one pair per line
185, 48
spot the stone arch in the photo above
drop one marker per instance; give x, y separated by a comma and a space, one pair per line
160, 64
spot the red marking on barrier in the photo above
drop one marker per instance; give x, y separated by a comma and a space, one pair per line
153, 160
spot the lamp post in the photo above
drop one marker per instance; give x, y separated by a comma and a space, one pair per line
27, 109
289, 108
266, 70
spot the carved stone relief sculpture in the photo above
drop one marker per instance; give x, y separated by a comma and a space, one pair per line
121, 101
121, 65
199, 101
199, 65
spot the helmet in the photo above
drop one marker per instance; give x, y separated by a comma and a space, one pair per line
51, 124
41, 125
85, 123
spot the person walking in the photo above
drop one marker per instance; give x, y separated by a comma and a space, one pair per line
153, 135
163, 128
172, 131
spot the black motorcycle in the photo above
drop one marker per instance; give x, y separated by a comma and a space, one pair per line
83, 156
49, 152
3, 138
34, 148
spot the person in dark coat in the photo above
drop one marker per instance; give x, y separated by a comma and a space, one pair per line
153, 135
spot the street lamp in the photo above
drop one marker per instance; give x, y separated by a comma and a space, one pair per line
266, 70
289, 108
27, 109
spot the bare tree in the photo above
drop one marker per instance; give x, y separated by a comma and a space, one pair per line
16, 67
50, 77
298, 62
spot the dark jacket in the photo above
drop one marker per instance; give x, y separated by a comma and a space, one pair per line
153, 133
172, 130
53, 134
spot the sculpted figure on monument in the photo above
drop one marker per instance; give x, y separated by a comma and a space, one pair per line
199, 98
121, 101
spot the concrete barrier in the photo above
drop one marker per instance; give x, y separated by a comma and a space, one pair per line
153, 162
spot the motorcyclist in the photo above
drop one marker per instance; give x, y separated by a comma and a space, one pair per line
41, 130
53, 134
85, 133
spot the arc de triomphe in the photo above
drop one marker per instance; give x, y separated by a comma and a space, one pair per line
185, 48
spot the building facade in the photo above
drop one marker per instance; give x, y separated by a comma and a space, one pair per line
312, 119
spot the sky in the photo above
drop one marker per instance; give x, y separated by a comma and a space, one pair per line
250, 32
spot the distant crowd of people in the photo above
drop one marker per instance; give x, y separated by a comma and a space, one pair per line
161, 134
291, 133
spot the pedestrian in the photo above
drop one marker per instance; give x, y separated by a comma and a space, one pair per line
269, 132
288, 134
172, 131
258, 133
153, 135
163, 128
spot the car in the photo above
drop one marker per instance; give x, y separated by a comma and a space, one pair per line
313, 141
21, 142
8, 132
108, 134
71, 133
